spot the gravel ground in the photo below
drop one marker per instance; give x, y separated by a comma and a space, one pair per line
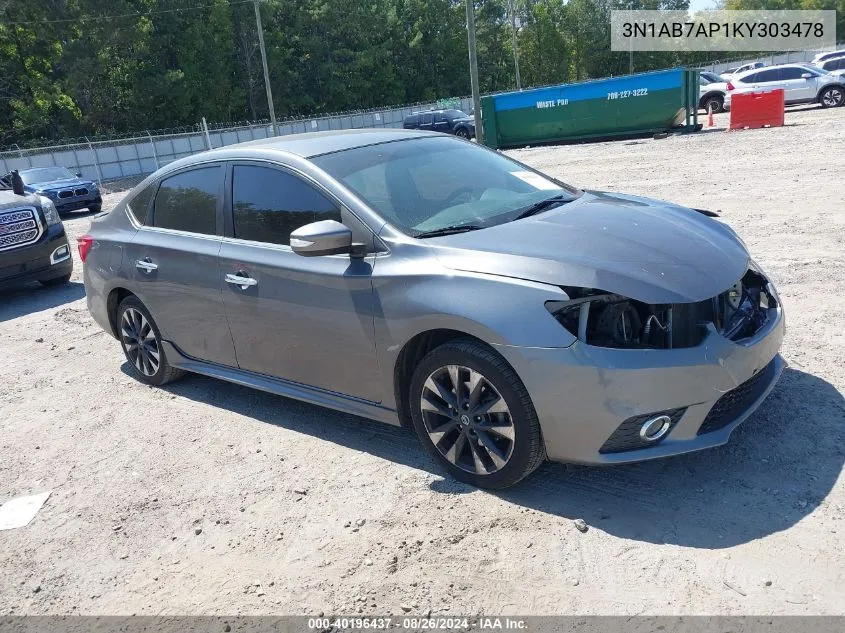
209, 498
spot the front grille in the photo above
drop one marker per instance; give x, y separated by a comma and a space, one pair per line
81, 192
734, 402
626, 437
20, 227
65, 193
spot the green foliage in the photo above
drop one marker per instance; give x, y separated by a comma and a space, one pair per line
82, 67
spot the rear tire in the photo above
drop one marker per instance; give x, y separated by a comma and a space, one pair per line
832, 97
482, 429
141, 342
56, 281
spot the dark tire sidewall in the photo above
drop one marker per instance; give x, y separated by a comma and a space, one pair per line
718, 104
834, 89
521, 462
157, 378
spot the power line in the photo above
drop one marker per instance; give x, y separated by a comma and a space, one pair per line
97, 18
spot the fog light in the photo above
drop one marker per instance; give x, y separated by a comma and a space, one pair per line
60, 254
655, 428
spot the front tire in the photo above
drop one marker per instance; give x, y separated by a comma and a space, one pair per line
474, 416
141, 340
463, 133
95, 208
832, 97
716, 102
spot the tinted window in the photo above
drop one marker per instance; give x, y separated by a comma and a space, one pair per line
139, 206
188, 201
267, 204
766, 75
412, 120
426, 119
791, 73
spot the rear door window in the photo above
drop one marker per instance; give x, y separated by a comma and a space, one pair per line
765, 76
189, 200
269, 203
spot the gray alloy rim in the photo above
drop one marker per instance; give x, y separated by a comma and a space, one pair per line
139, 342
467, 419
832, 97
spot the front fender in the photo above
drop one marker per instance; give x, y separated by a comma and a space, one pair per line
500, 311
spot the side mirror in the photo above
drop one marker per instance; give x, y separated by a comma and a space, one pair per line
327, 237
806, 76
79, 174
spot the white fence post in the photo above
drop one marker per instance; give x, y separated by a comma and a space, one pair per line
205, 131
96, 162
153, 145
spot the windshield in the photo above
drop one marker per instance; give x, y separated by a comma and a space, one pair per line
427, 184
812, 70
455, 114
45, 174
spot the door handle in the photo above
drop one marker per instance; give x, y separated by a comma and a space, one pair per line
241, 279
145, 265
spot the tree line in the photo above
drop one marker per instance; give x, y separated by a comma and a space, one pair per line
70, 68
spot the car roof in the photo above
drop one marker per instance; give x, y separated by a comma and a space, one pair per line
829, 55
745, 73
311, 144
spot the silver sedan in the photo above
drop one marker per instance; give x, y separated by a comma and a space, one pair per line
422, 280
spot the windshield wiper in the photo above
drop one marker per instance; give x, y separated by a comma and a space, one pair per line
450, 230
543, 205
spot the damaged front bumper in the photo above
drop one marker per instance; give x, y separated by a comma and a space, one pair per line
592, 401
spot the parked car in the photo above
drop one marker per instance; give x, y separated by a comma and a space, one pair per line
823, 57
801, 83
33, 244
741, 69
450, 121
835, 66
711, 92
423, 280
69, 192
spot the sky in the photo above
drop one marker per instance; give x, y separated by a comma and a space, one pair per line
698, 5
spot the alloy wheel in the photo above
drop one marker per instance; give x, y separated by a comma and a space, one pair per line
832, 97
139, 342
467, 419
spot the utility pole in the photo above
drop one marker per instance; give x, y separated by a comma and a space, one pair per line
266, 72
512, 7
473, 71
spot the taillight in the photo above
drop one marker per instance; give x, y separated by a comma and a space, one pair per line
730, 86
84, 244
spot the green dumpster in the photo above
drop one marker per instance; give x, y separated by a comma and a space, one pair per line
633, 104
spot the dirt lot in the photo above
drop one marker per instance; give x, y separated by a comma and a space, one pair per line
210, 498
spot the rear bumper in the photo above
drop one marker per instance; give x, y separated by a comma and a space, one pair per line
582, 394
43, 260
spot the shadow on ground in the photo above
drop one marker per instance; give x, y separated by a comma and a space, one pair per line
26, 299
777, 469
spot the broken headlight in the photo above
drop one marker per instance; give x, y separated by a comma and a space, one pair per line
610, 320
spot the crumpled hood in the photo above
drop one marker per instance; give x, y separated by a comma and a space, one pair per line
648, 250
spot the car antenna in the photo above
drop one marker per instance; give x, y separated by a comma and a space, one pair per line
17, 183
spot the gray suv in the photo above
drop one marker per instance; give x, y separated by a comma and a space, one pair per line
419, 279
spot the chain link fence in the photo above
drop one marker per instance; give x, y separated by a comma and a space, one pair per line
137, 155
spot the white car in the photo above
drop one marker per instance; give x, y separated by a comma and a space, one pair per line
711, 91
834, 66
823, 57
801, 83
